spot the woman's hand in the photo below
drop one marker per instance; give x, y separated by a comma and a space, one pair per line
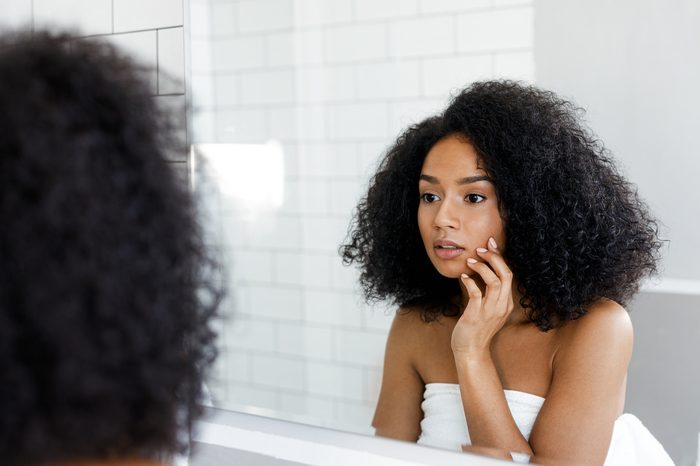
485, 313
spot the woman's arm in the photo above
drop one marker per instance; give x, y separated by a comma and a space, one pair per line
587, 392
489, 419
398, 412
589, 370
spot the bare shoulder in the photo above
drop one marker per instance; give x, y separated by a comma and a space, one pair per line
407, 328
408, 319
604, 318
605, 326
587, 389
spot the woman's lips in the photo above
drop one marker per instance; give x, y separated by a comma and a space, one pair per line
447, 252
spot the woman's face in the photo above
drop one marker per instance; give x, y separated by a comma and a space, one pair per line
458, 209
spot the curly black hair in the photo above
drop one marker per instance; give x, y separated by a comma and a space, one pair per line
106, 289
576, 230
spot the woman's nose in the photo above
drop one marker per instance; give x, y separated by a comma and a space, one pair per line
446, 216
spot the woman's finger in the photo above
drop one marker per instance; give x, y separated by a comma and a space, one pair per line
473, 291
493, 297
493, 257
493, 283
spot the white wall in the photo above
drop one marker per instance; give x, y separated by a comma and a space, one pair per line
634, 65
334, 83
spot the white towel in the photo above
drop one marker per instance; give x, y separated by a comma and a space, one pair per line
444, 425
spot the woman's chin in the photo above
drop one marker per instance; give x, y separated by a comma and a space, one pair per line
454, 273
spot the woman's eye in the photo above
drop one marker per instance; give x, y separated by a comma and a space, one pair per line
429, 197
475, 198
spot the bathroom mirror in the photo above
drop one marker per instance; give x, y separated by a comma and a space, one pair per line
293, 103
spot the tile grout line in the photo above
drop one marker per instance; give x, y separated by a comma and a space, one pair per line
157, 62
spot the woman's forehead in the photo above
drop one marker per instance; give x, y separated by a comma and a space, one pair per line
454, 157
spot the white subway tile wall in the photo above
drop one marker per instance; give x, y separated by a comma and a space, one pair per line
267, 87
322, 12
388, 80
441, 75
356, 43
278, 372
237, 53
90, 17
503, 29
171, 61
452, 6
334, 83
223, 19
241, 124
15, 14
306, 408
260, 16
420, 37
136, 15
367, 10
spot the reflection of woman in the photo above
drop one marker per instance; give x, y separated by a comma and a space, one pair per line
104, 335
510, 241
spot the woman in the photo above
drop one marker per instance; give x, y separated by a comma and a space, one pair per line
105, 299
511, 243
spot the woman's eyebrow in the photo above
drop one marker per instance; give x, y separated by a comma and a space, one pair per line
461, 181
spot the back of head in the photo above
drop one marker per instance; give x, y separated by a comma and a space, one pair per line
103, 336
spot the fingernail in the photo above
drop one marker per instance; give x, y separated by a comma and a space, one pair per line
481, 250
492, 243
471, 260
464, 275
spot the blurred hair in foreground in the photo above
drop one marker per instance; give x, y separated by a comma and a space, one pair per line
106, 289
